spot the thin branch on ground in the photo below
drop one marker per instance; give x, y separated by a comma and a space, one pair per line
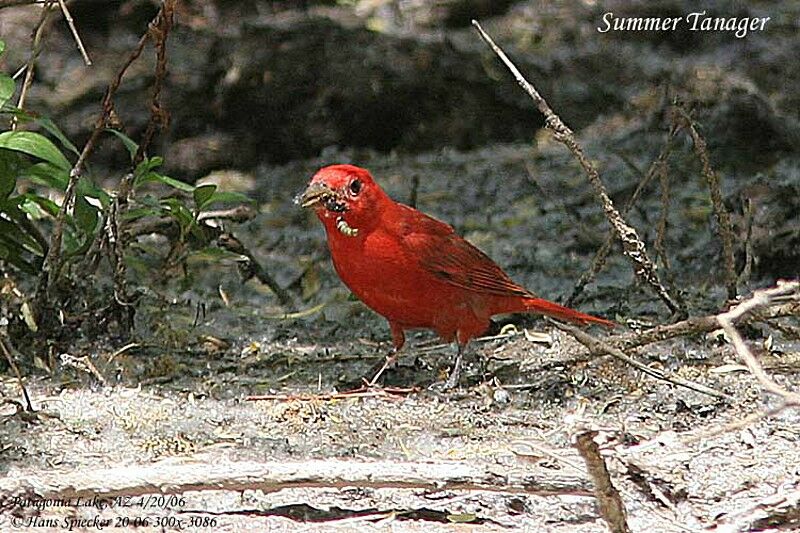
632, 245
599, 346
196, 474
703, 324
609, 501
759, 300
724, 229
362, 392
15, 368
250, 267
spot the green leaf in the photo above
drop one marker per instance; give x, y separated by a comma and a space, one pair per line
9, 166
129, 143
35, 144
46, 174
2, 46
172, 182
29, 200
7, 87
85, 214
203, 195
230, 197
53, 130
179, 211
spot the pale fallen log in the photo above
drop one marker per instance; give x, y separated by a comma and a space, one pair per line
177, 476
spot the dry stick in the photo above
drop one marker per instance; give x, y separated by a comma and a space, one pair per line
30, 66
661, 230
703, 324
608, 499
760, 298
724, 229
173, 477
632, 245
600, 257
749, 213
158, 30
598, 346
251, 267
13, 365
74, 30
772, 513
52, 262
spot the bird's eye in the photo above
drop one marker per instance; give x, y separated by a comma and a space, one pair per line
355, 187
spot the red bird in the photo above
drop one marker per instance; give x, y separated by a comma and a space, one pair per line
413, 269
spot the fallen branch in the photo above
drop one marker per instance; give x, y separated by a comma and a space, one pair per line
632, 245
760, 299
608, 499
598, 347
774, 512
702, 324
250, 267
173, 477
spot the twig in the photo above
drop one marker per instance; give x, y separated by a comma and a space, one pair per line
598, 346
696, 325
656, 169
74, 30
760, 299
724, 229
251, 267
173, 477
363, 392
608, 499
747, 270
15, 368
632, 245
158, 30
663, 221
772, 513
52, 263
30, 66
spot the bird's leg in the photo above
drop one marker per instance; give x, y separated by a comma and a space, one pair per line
398, 340
455, 373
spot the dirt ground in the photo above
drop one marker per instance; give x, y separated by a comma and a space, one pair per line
168, 412
178, 396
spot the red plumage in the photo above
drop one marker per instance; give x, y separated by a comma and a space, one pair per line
411, 268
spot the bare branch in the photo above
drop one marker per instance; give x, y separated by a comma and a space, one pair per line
632, 245
599, 346
74, 30
724, 229
760, 299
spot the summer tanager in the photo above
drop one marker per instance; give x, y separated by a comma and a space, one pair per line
413, 269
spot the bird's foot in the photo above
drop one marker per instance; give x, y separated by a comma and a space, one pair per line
454, 377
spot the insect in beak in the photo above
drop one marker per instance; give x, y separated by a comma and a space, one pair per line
345, 229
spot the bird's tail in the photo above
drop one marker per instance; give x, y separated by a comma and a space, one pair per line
545, 307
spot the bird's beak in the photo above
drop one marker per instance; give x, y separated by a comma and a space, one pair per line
314, 194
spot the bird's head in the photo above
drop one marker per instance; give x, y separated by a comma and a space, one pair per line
346, 199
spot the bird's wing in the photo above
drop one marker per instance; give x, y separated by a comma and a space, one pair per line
440, 251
